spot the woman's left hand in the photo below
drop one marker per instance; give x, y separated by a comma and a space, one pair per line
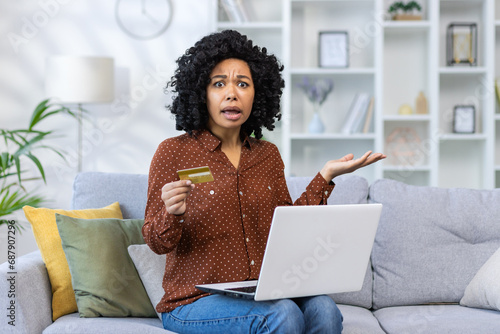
348, 164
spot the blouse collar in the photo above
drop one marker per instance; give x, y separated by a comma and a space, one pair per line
211, 142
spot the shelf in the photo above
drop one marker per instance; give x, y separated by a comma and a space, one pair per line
249, 25
332, 136
312, 2
467, 137
405, 26
331, 71
463, 70
392, 168
407, 118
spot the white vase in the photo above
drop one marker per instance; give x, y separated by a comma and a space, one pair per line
316, 125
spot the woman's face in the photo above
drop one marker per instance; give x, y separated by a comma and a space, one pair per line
230, 95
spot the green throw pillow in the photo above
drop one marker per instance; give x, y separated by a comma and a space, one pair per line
104, 278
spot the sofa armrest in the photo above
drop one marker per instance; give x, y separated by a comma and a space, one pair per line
25, 295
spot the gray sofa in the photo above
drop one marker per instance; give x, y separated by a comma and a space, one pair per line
430, 244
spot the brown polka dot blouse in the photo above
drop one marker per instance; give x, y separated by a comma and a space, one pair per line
222, 235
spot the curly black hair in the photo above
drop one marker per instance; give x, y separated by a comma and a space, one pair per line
192, 77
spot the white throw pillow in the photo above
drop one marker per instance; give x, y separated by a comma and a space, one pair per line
484, 289
151, 268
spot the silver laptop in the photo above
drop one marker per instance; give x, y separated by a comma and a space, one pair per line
311, 250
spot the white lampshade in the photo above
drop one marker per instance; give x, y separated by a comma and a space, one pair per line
75, 79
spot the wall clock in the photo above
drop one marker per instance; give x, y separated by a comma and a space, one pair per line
143, 19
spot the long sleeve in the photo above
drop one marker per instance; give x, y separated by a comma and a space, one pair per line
161, 231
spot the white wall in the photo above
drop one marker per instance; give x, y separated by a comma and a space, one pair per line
124, 134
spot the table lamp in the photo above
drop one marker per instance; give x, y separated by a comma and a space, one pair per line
80, 80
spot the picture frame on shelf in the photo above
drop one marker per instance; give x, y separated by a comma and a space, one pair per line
461, 44
464, 119
333, 49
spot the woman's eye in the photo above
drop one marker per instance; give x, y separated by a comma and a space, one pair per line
243, 84
219, 84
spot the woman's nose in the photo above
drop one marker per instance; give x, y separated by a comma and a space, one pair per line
230, 94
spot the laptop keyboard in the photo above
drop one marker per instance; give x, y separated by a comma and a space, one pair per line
247, 289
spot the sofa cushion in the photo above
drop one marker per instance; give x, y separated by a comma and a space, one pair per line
43, 223
71, 323
484, 289
91, 189
104, 278
358, 320
431, 241
442, 319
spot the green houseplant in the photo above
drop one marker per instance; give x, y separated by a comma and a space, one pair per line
18, 147
405, 11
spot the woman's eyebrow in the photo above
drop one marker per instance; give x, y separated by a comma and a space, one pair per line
219, 76
223, 76
241, 76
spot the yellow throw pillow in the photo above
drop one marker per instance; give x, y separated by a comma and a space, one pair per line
43, 223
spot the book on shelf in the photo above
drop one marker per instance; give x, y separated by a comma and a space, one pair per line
235, 10
369, 116
355, 120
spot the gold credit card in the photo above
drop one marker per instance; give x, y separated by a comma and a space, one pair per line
196, 175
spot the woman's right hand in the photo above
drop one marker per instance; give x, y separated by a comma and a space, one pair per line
174, 196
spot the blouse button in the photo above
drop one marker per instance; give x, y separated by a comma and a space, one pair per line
248, 240
212, 192
252, 263
269, 187
241, 193
326, 192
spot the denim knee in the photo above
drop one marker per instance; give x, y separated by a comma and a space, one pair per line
287, 318
322, 315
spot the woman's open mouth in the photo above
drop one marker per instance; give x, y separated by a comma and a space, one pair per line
232, 113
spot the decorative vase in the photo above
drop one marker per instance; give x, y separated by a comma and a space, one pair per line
316, 125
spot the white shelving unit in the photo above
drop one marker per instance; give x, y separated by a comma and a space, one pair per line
392, 61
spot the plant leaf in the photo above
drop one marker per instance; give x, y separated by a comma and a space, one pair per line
18, 168
38, 165
12, 202
37, 114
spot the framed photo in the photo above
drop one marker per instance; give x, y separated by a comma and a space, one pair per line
464, 119
461, 44
333, 49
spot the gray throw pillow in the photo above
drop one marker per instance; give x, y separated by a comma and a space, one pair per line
484, 289
151, 268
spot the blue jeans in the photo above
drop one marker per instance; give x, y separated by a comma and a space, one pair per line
223, 314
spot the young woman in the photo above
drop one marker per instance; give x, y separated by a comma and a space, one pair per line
227, 89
